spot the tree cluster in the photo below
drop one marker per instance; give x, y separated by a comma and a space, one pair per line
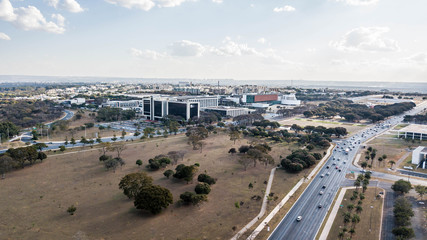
402, 218
248, 119
159, 161
8, 130
153, 198
419, 118
202, 189
355, 112
298, 160
108, 114
25, 113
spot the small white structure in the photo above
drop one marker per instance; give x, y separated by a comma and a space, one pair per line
419, 156
290, 99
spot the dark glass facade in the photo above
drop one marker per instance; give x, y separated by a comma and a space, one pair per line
178, 109
158, 108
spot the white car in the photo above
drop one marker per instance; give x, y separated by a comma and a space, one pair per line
299, 218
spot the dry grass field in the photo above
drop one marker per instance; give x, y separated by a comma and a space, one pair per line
35, 199
370, 218
351, 127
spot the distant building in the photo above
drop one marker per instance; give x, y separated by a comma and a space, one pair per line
156, 109
260, 98
192, 90
228, 111
290, 99
204, 101
419, 156
413, 131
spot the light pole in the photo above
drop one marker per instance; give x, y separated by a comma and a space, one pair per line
370, 220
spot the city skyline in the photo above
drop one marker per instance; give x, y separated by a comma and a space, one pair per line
337, 40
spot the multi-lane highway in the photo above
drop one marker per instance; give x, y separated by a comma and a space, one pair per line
328, 180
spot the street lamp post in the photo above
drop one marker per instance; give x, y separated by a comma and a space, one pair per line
370, 220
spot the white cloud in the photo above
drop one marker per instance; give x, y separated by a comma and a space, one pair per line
187, 48
359, 2
262, 40
140, 4
4, 36
217, 1
6, 11
30, 18
146, 5
229, 48
68, 5
60, 20
368, 39
148, 54
420, 58
286, 8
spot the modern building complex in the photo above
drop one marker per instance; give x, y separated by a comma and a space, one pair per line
419, 156
204, 101
228, 111
413, 131
290, 100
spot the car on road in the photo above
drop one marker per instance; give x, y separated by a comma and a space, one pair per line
324, 186
321, 193
320, 206
322, 175
339, 170
299, 218
327, 167
328, 173
336, 167
333, 163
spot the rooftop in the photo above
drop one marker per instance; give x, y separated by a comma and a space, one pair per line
417, 128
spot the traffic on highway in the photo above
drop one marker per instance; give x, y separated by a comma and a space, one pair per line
307, 214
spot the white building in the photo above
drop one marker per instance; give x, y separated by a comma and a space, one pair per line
228, 111
204, 101
290, 100
413, 131
419, 156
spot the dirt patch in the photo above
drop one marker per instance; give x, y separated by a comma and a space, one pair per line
35, 199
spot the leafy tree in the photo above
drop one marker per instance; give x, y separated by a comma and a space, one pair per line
62, 148
185, 172
391, 162
8, 130
401, 186
421, 190
132, 183
234, 135
113, 163
153, 198
359, 209
402, 211
6, 163
206, 179
403, 232
196, 135
244, 149
364, 165
160, 161
192, 198
139, 162
73, 141
42, 156
232, 151
168, 173
202, 188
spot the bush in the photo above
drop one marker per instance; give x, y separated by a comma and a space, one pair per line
103, 158
168, 173
71, 209
206, 179
189, 197
202, 188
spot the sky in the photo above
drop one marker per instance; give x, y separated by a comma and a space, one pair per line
324, 40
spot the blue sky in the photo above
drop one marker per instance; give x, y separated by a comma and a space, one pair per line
341, 40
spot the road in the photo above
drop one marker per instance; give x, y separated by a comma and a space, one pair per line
307, 206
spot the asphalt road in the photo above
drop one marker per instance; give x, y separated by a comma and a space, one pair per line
412, 173
307, 205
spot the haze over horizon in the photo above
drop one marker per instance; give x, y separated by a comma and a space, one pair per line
338, 40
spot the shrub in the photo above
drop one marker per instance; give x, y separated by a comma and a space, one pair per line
71, 209
202, 188
206, 179
189, 197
